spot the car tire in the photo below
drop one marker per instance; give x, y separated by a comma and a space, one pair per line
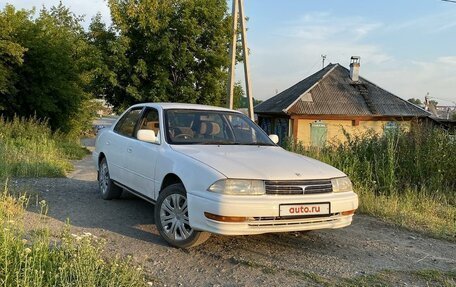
171, 218
108, 189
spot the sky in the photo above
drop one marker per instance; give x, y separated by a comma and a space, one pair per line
407, 47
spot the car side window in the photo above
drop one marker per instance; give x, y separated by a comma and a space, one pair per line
151, 121
126, 125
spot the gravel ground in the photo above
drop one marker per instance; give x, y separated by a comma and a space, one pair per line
368, 246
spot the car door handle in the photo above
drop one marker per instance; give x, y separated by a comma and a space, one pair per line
129, 149
108, 142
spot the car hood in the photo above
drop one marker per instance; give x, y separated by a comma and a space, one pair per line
258, 162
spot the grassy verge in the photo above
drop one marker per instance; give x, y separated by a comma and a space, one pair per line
402, 278
406, 178
412, 210
28, 148
38, 259
384, 278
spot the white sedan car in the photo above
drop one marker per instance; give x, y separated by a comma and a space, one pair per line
213, 170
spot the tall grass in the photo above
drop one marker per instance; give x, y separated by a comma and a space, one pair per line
28, 148
407, 177
38, 259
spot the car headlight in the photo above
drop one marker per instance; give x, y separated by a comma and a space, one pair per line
238, 187
341, 184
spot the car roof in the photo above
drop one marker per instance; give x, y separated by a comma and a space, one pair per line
168, 106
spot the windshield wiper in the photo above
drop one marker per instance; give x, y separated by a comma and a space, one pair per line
219, 143
258, 144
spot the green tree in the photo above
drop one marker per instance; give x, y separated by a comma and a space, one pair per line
173, 51
51, 79
415, 101
11, 52
238, 95
240, 101
107, 55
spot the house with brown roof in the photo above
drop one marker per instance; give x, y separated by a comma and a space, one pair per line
332, 102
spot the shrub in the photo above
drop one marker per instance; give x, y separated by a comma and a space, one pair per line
422, 159
38, 259
407, 178
29, 148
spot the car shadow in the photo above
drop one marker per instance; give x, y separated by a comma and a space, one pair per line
79, 203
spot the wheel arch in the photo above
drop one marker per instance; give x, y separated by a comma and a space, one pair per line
100, 157
169, 179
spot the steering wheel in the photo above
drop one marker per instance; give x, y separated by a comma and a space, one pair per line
184, 136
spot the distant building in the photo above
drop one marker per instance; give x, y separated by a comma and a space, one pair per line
445, 112
332, 101
103, 107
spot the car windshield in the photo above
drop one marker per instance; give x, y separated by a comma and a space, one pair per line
213, 128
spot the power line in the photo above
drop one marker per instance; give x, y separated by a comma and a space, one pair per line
451, 1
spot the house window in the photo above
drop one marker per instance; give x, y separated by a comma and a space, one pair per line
318, 132
391, 127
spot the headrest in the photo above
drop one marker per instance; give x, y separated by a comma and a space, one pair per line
150, 125
209, 128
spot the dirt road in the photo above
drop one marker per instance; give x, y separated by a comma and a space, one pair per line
368, 246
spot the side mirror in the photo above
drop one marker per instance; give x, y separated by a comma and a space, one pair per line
274, 138
147, 136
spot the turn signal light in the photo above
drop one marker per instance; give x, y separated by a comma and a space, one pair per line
349, 212
225, 218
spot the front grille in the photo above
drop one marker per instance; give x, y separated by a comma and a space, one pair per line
290, 187
295, 220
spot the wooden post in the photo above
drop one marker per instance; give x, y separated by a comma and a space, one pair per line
245, 51
233, 55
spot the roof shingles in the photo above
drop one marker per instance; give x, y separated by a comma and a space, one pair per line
334, 93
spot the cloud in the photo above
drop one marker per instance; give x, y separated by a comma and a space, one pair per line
451, 60
294, 50
413, 79
325, 26
430, 24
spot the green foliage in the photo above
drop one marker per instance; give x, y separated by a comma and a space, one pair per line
38, 259
434, 103
46, 66
240, 101
155, 51
164, 51
29, 148
406, 177
11, 52
421, 159
415, 101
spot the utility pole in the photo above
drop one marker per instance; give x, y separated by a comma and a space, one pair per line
323, 58
238, 7
426, 102
233, 54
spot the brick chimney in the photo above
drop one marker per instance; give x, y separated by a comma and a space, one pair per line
354, 68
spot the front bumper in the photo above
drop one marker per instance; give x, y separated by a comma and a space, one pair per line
262, 212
